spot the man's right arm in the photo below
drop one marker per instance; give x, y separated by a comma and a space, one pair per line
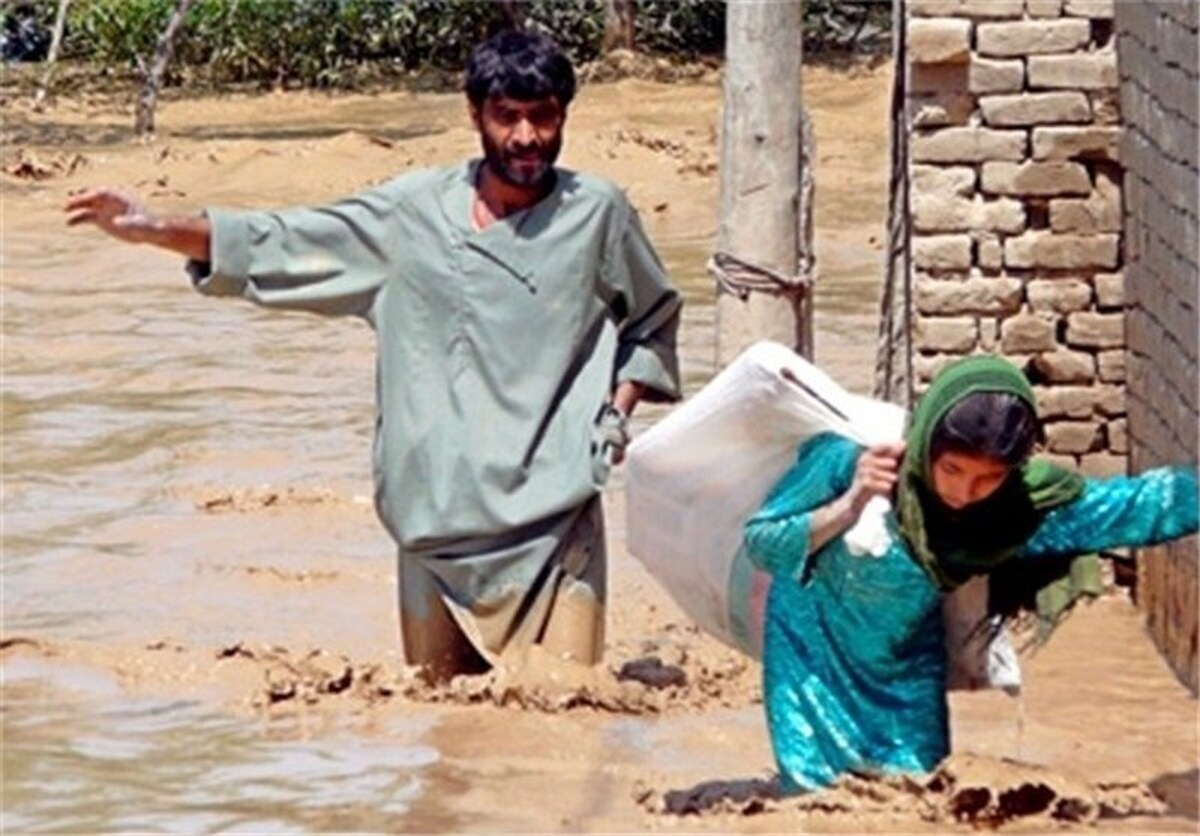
125, 218
330, 260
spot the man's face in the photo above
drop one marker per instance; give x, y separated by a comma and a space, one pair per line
521, 139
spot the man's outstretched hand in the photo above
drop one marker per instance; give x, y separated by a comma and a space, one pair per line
121, 215
124, 217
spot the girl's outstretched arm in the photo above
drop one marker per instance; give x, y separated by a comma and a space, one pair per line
1157, 506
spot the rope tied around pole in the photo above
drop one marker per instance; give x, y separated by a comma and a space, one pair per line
740, 278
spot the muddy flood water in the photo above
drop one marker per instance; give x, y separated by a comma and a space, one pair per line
199, 619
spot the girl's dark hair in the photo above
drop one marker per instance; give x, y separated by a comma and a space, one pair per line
999, 425
519, 65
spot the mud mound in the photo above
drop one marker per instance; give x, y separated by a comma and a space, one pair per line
272, 677
545, 685
622, 63
646, 685
689, 159
311, 677
308, 678
650, 677
738, 798
30, 166
275, 573
992, 792
15, 643
247, 500
355, 142
981, 792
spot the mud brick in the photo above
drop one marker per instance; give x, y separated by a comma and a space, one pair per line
1096, 330
1026, 334
1035, 179
1061, 107
1059, 295
939, 40
1031, 37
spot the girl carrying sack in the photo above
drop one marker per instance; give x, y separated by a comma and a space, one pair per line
697, 476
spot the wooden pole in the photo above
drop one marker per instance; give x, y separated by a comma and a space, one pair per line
60, 25
152, 77
618, 24
894, 379
760, 181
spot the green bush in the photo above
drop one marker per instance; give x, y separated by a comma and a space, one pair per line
839, 25
327, 42
115, 33
578, 27
691, 28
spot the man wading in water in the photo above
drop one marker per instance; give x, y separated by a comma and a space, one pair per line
520, 315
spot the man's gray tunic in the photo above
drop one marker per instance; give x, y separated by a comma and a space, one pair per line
496, 348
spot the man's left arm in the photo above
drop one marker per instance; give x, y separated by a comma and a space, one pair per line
647, 365
627, 394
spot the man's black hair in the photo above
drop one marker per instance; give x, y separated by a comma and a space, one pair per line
999, 425
519, 65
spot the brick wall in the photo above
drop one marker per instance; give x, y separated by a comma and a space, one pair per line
1015, 201
1160, 99
1026, 120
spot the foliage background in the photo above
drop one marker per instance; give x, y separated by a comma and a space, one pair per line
337, 43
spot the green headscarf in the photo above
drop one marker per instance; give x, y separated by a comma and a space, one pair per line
982, 539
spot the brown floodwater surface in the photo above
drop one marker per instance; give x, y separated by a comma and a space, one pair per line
199, 626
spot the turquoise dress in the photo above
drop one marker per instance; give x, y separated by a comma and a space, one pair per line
853, 658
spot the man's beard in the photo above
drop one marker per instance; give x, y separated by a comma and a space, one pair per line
509, 168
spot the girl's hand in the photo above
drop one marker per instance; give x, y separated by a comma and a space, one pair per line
876, 474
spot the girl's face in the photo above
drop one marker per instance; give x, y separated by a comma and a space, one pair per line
962, 479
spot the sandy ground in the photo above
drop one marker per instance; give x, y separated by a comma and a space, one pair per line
269, 594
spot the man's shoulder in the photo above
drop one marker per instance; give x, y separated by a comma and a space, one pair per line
422, 182
593, 188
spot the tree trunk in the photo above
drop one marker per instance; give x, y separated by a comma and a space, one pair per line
60, 25
618, 24
516, 11
143, 124
761, 191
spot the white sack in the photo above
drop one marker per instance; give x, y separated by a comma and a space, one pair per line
696, 477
